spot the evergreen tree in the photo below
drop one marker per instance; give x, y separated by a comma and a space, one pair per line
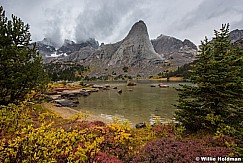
20, 65
215, 97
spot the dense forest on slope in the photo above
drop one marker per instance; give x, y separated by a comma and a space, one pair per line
183, 71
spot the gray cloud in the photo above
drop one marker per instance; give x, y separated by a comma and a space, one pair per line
110, 20
53, 30
210, 15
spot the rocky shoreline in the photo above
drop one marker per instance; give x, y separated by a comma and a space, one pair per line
68, 113
68, 97
61, 99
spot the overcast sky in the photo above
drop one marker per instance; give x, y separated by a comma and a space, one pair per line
110, 20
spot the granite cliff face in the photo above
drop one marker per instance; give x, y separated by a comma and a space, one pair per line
175, 51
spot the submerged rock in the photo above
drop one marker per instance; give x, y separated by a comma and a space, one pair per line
119, 91
107, 85
161, 85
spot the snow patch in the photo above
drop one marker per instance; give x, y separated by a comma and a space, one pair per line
55, 55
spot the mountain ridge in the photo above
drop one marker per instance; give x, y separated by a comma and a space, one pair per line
136, 53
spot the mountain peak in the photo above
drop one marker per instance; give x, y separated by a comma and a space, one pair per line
138, 28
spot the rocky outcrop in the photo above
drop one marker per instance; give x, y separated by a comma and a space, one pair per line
175, 51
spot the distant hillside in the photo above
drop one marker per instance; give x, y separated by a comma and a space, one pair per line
67, 71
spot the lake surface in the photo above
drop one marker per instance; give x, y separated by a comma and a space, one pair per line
138, 105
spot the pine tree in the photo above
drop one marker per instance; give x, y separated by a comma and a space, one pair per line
20, 65
215, 97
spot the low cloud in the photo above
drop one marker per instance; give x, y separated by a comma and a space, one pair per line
103, 19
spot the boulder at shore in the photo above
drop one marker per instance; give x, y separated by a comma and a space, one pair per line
129, 83
66, 103
141, 125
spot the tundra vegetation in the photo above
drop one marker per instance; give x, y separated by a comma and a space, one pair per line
210, 112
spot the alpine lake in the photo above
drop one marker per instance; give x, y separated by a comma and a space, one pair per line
140, 103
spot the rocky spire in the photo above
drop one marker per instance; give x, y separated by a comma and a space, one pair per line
135, 47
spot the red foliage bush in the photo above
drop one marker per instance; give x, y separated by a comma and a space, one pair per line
105, 158
164, 130
167, 150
